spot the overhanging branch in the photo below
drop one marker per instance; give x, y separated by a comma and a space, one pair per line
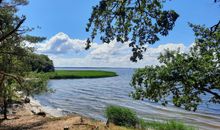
14, 30
215, 27
211, 92
13, 77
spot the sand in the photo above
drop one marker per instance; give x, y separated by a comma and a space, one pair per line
22, 117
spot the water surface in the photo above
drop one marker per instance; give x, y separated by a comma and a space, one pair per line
89, 97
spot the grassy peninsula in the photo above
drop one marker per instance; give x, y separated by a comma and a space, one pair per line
77, 74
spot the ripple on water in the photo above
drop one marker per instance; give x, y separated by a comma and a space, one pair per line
89, 97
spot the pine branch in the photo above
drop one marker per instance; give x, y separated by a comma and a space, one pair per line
14, 30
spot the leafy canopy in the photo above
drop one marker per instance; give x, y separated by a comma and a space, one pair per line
185, 77
40, 63
139, 22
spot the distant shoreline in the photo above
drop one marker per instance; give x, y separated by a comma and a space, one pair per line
99, 67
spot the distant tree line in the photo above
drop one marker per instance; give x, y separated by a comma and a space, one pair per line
40, 63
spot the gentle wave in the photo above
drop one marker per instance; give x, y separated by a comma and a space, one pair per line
89, 97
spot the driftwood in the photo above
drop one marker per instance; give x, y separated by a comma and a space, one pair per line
41, 114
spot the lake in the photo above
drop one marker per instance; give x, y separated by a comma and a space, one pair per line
89, 97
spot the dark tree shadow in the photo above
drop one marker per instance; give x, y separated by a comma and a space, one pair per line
29, 126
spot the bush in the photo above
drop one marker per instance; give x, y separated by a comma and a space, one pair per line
121, 116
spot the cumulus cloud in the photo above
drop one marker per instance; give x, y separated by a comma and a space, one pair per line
61, 43
65, 51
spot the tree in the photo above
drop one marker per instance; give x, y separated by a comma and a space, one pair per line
7, 10
186, 77
9, 47
139, 22
40, 63
34, 84
13, 52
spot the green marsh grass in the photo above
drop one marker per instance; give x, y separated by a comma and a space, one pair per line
167, 125
76, 74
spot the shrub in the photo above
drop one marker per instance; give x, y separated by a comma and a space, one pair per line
121, 116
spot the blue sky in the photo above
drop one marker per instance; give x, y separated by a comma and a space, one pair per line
53, 16
64, 22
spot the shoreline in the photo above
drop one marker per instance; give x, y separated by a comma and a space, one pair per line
35, 103
23, 117
35, 107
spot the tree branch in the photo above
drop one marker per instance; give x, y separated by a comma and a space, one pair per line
215, 27
211, 92
12, 76
14, 30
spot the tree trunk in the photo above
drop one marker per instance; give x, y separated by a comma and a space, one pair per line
5, 108
5, 102
2, 76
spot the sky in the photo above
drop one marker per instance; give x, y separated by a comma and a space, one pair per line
63, 22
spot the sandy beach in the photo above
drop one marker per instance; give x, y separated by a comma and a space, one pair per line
24, 117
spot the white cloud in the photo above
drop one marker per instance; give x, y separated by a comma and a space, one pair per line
62, 44
65, 51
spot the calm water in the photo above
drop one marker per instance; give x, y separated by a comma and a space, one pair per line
89, 97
